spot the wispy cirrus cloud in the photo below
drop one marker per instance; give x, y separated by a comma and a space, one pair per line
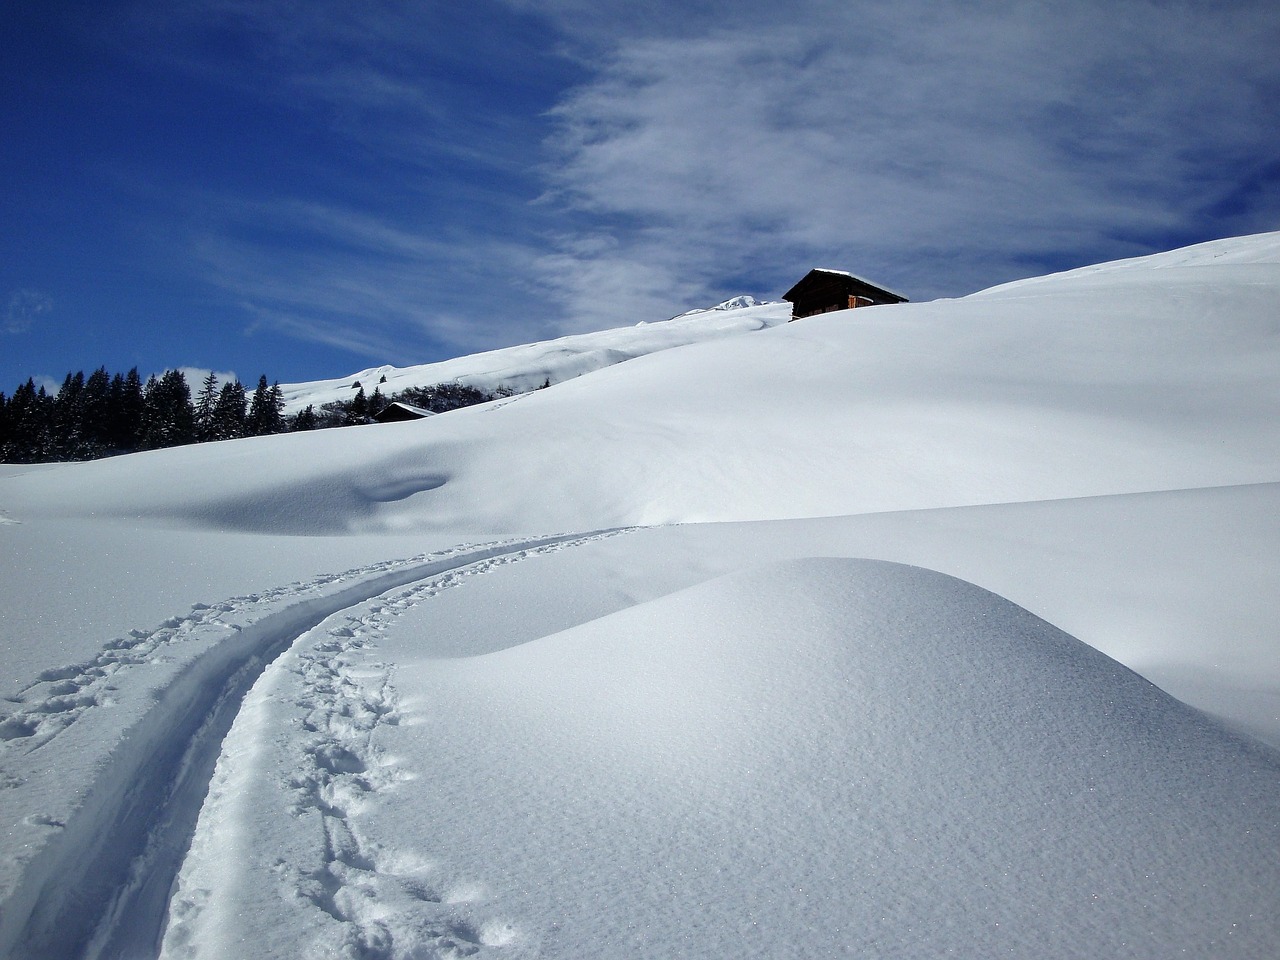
422, 84
410, 230
354, 280
940, 146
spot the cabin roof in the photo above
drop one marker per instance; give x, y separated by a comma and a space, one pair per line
809, 278
399, 410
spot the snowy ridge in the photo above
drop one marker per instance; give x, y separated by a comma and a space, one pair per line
1134, 385
1262, 250
527, 367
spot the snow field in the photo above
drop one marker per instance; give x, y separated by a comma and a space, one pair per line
527, 367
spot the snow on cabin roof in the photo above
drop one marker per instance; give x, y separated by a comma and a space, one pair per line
420, 411
854, 276
414, 412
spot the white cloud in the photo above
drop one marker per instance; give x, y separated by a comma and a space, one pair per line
195, 377
24, 309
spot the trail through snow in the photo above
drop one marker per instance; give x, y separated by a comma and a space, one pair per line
97, 879
335, 694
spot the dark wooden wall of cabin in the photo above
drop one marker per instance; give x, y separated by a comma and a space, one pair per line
834, 293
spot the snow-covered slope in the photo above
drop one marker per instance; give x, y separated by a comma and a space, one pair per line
1262, 250
527, 367
446, 699
1151, 380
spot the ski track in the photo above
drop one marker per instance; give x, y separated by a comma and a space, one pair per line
81, 897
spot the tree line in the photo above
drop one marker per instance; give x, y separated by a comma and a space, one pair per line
104, 415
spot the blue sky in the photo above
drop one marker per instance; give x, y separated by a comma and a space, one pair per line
307, 188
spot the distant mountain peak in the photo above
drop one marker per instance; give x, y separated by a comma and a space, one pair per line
734, 303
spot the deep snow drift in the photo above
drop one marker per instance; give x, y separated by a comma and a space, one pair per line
489, 684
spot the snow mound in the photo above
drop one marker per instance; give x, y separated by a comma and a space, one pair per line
841, 758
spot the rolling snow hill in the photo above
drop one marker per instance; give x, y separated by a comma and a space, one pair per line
776, 640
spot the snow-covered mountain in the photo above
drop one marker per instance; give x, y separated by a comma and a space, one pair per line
733, 303
825, 638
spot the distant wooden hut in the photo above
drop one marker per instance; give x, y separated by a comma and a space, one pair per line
397, 411
822, 291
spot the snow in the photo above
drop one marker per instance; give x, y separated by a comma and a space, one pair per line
733, 303
808, 639
1260, 251
795, 754
1124, 387
527, 367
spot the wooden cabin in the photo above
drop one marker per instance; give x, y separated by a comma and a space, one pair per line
397, 412
822, 291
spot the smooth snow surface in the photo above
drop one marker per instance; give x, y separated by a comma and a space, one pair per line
491, 684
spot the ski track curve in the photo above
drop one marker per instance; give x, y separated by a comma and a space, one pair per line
100, 886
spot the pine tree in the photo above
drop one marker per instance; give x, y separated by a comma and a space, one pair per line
206, 406
67, 419
78, 429
305, 419
275, 399
443, 397
95, 412
125, 405
266, 409
229, 414
169, 418
28, 414
359, 411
